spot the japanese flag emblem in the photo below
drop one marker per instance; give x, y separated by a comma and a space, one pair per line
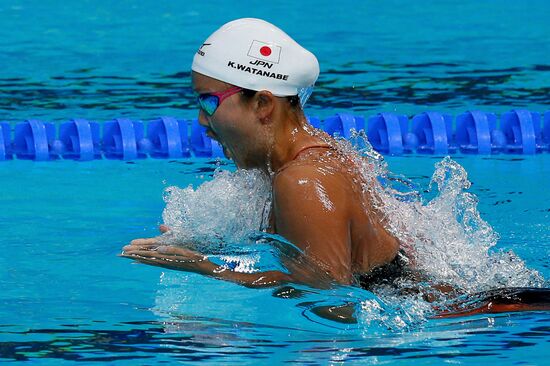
265, 51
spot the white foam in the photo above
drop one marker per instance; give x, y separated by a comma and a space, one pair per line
226, 209
445, 236
450, 241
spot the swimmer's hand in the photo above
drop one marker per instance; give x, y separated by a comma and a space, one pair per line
152, 251
148, 242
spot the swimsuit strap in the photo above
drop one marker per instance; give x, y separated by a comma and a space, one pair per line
324, 146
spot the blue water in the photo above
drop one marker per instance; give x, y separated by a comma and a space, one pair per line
101, 59
65, 295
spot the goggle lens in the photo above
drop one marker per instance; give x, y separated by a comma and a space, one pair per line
209, 103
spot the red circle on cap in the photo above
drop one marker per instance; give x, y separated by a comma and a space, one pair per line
265, 51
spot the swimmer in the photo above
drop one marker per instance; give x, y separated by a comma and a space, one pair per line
252, 81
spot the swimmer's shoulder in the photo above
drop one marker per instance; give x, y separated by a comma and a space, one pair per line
296, 174
307, 180
326, 167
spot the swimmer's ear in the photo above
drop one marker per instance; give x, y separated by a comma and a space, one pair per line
265, 103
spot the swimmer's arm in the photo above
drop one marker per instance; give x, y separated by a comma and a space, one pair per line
150, 252
310, 210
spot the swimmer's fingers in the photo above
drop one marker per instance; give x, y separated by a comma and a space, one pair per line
141, 246
168, 256
163, 229
145, 242
180, 252
133, 248
142, 255
153, 255
148, 259
163, 252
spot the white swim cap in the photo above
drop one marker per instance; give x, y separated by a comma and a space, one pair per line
254, 54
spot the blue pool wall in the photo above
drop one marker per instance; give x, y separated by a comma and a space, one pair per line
474, 132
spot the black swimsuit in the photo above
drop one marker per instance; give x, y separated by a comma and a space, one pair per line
492, 301
386, 274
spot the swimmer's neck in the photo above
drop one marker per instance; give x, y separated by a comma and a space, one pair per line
289, 140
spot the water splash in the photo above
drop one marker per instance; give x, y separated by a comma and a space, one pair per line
226, 209
443, 234
450, 241
439, 226
389, 312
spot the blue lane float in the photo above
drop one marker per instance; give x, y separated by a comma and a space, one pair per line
473, 132
546, 131
120, 139
434, 132
388, 134
314, 121
5, 141
521, 128
342, 125
166, 138
476, 133
79, 139
34, 140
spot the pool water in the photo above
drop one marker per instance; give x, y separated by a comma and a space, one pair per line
101, 60
67, 297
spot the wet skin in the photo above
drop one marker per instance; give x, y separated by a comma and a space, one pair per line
319, 199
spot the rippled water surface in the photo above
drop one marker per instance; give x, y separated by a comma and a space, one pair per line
101, 60
66, 297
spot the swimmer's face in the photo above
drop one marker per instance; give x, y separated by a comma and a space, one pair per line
235, 124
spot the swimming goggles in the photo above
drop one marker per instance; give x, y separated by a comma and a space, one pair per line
209, 102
